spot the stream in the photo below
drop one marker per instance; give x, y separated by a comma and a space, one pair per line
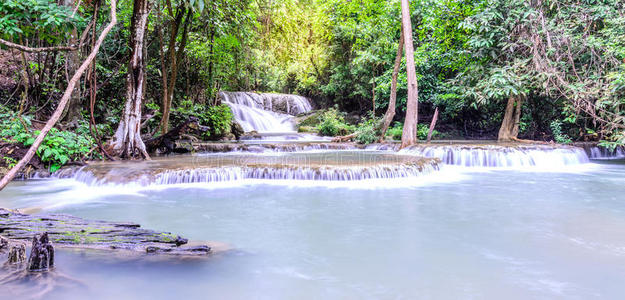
458, 233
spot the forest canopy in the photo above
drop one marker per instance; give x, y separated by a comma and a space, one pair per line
553, 70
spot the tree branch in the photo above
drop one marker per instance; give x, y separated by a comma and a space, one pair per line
37, 50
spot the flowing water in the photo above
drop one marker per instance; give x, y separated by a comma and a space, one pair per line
526, 231
265, 112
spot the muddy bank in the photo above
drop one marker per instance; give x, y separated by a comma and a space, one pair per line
73, 232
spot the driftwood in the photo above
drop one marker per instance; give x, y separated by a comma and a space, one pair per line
344, 138
166, 143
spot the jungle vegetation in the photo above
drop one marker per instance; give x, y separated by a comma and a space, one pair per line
547, 70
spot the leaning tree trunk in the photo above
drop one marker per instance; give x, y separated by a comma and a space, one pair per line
509, 129
64, 99
127, 141
409, 134
390, 111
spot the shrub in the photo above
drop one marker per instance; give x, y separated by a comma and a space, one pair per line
396, 131
559, 136
333, 124
368, 131
218, 118
58, 147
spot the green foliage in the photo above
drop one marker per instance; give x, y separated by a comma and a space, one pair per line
58, 147
558, 135
368, 132
42, 17
61, 147
217, 118
333, 124
396, 131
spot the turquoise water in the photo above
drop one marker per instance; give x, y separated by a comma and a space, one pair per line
463, 234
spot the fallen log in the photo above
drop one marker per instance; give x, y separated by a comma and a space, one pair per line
344, 138
166, 143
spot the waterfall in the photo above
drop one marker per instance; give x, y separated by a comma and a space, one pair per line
502, 156
334, 166
598, 152
265, 112
234, 173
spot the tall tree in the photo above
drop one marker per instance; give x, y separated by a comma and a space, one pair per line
127, 140
390, 111
409, 134
183, 16
509, 130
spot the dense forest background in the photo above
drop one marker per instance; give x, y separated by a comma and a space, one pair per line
561, 62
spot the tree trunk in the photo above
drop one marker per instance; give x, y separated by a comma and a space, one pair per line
509, 129
63, 102
127, 141
72, 60
390, 110
174, 57
409, 134
432, 125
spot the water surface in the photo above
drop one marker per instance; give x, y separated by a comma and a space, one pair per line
480, 234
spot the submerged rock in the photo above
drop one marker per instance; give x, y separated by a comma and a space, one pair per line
41, 254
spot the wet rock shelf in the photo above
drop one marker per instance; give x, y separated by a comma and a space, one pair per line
69, 231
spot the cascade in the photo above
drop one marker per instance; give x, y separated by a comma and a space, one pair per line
502, 156
330, 166
598, 152
265, 112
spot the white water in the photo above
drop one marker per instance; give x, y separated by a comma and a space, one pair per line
604, 153
265, 112
520, 156
209, 169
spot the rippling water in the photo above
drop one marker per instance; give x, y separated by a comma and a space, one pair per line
470, 234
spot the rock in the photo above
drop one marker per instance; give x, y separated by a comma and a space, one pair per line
180, 241
69, 231
5, 213
4, 244
17, 254
236, 129
193, 250
41, 254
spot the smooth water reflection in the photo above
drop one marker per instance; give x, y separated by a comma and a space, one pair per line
494, 235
